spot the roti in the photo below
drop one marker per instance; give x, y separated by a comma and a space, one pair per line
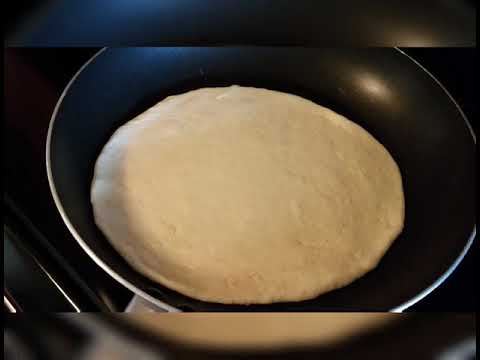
241, 195
260, 330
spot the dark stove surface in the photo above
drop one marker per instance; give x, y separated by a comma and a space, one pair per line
34, 80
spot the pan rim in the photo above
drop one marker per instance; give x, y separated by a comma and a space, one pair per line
169, 308
64, 216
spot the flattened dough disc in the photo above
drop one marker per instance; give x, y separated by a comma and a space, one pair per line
244, 195
260, 330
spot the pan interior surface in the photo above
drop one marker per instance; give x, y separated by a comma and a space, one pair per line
387, 93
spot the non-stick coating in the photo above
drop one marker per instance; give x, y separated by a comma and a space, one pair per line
382, 90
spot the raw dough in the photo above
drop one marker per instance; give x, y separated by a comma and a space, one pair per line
260, 330
245, 195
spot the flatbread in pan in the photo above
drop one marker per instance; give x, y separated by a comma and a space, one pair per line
241, 195
260, 330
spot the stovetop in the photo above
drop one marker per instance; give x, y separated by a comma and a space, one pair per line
44, 266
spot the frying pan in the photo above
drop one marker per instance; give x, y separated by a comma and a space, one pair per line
383, 90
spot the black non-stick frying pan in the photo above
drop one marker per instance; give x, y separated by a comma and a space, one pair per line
383, 90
